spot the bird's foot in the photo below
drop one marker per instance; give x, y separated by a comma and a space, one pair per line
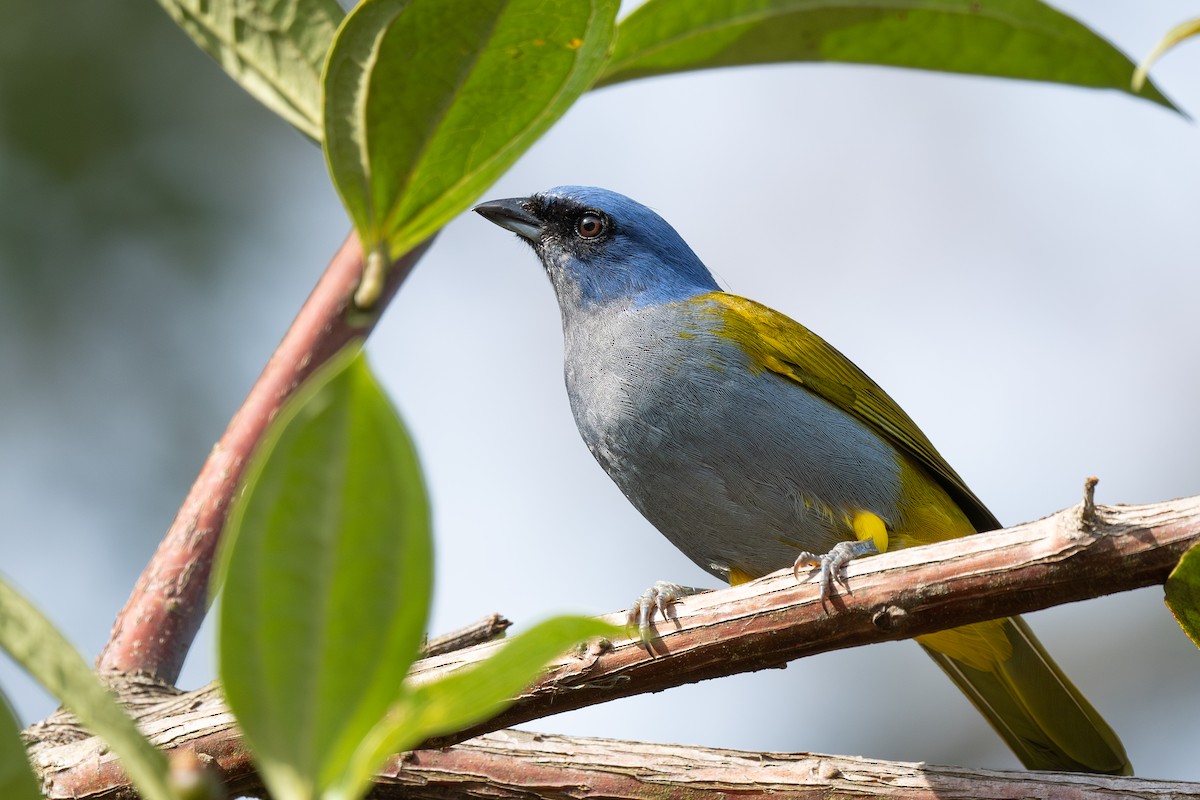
658, 598
830, 564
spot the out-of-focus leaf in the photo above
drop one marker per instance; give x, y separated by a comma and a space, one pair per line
274, 48
427, 102
1183, 593
327, 571
1184, 30
35, 644
1003, 38
471, 695
17, 781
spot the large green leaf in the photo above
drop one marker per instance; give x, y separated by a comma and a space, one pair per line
274, 48
17, 781
428, 102
327, 572
35, 644
469, 696
1183, 594
1003, 38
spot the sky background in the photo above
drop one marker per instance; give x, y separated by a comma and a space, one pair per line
1015, 263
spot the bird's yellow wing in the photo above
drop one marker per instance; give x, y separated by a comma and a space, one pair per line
783, 346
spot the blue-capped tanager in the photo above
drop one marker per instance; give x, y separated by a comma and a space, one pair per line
753, 445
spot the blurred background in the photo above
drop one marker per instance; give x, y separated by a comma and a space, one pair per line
1016, 263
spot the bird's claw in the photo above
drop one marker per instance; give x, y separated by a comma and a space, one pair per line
831, 564
658, 598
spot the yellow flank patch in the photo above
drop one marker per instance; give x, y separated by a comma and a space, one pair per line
982, 646
868, 526
738, 577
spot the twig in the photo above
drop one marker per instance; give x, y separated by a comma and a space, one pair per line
1087, 509
155, 629
756, 625
485, 630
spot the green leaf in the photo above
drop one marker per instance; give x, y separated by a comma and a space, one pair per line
1184, 30
482, 691
1183, 593
327, 570
35, 644
471, 695
17, 781
1003, 38
274, 48
428, 102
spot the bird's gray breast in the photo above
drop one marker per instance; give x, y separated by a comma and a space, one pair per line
739, 467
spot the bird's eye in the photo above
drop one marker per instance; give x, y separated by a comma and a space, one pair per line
590, 225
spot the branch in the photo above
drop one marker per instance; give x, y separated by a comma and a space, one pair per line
155, 629
769, 622
1065, 557
522, 764
525, 765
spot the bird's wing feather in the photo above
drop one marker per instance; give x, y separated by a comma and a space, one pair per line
783, 346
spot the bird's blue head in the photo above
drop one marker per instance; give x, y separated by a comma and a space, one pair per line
600, 247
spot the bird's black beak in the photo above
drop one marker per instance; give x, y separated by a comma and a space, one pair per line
512, 215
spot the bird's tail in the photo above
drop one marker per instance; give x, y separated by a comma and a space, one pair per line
1034, 707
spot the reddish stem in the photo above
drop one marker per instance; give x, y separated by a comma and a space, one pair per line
155, 629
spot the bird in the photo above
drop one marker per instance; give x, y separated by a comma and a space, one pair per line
753, 445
